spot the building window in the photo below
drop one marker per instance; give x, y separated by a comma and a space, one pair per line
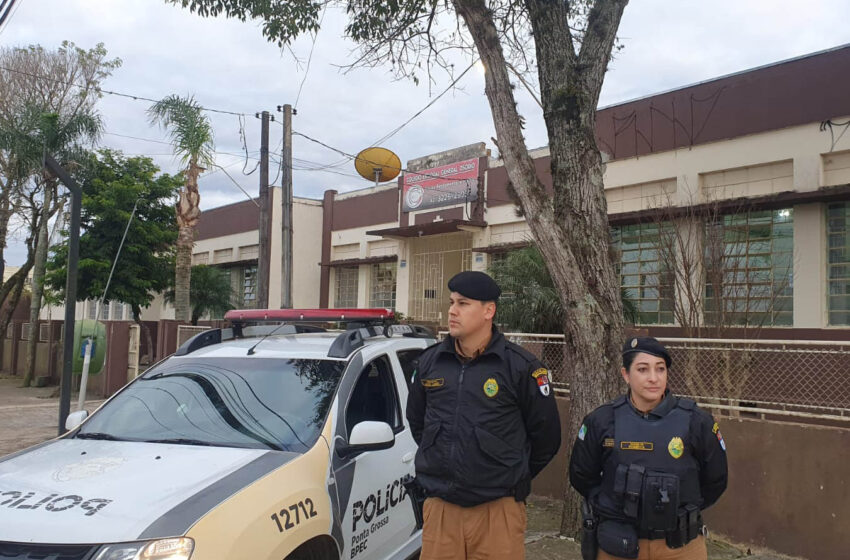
249, 287
201, 258
104, 310
749, 269
346, 286
247, 252
383, 285
91, 309
44, 332
838, 263
645, 277
222, 255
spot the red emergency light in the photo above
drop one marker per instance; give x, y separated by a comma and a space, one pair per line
348, 315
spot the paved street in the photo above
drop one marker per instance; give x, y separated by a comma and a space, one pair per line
29, 416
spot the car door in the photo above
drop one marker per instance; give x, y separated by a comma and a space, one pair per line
377, 519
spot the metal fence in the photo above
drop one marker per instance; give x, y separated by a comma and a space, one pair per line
185, 332
804, 379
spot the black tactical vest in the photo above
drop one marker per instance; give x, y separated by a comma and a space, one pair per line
651, 474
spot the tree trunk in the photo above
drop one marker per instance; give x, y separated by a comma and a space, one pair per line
137, 318
5, 215
188, 212
571, 229
38, 284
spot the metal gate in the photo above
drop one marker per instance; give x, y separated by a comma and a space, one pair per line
433, 261
133, 353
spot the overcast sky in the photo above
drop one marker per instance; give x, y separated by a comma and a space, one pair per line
226, 64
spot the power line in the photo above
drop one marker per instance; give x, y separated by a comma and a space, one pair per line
170, 144
109, 92
310, 57
7, 10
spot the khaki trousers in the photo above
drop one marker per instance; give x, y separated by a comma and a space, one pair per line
491, 531
657, 549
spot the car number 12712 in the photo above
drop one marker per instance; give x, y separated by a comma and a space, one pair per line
291, 516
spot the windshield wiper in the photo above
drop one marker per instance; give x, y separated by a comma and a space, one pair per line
183, 441
97, 435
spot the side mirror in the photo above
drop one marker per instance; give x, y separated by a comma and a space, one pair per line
367, 436
75, 419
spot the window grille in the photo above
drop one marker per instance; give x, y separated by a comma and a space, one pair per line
838, 263
645, 277
346, 286
383, 285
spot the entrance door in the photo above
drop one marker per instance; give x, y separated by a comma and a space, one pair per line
433, 261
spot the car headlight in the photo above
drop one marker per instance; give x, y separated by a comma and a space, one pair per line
162, 549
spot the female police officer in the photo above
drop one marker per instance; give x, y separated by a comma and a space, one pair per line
647, 463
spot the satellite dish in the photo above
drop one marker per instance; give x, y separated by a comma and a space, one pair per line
377, 164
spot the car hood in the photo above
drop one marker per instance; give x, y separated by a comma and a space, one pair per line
74, 491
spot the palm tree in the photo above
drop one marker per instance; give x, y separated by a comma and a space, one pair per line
210, 292
191, 133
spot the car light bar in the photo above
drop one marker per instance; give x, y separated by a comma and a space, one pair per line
255, 315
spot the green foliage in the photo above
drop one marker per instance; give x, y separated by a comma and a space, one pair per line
111, 184
282, 21
530, 301
188, 127
210, 292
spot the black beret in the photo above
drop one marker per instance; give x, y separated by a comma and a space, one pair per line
475, 285
647, 345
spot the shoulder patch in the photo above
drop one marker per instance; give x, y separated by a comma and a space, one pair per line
582, 432
715, 428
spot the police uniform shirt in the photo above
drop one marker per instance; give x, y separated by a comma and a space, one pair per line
485, 426
595, 441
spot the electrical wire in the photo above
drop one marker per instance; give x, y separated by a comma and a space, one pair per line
7, 11
310, 57
170, 144
110, 92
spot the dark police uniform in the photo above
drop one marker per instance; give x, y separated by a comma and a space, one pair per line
648, 475
485, 426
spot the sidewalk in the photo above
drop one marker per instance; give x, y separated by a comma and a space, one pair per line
31, 415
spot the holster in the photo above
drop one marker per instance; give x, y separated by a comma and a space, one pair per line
417, 498
589, 545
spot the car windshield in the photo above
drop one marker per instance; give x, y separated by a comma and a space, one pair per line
258, 403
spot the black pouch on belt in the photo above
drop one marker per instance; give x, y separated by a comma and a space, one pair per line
660, 502
618, 538
589, 546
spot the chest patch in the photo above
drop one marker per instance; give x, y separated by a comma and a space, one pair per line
491, 388
636, 445
676, 447
432, 383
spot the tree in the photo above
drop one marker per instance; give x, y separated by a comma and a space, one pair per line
210, 292
573, 42
112, 185
529, 301
47, 105
192, 136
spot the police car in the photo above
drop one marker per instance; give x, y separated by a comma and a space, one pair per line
253, 442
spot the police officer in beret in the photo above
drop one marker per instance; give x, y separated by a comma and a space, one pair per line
484, 415
647, 464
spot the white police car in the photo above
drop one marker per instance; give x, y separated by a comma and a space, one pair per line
246, 444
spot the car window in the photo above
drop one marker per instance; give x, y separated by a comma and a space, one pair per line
409, 360
374, 397
267, 403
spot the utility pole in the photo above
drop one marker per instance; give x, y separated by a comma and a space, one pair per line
70, 287
286, 210
264, 252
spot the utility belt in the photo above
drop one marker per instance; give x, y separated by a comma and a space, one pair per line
650, 510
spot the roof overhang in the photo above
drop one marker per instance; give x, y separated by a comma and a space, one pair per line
431, 228
776, 201
365, 260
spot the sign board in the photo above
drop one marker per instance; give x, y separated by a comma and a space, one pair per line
441, 186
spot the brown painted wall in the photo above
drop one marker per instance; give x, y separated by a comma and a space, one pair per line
807, 90
228, 220
445, 214
366, 210
117, 357
789, 486
497, 182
